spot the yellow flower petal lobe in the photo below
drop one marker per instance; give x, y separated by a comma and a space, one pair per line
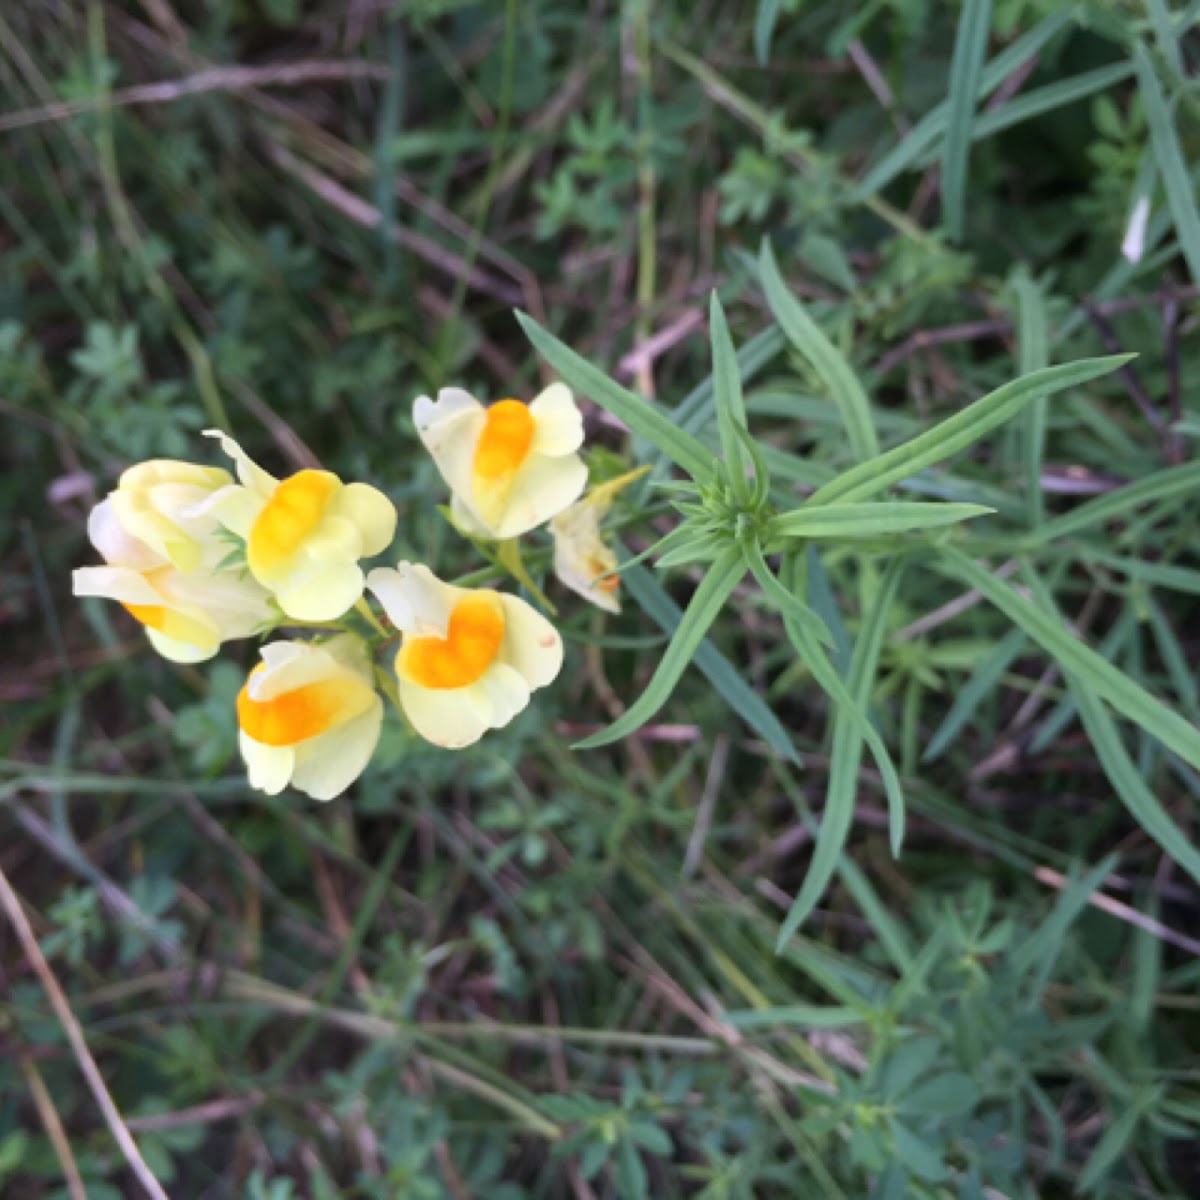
293, 512
472, 641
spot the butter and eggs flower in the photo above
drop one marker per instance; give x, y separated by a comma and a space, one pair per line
304, 534
309, 716
510, 466
469, 658
187, 614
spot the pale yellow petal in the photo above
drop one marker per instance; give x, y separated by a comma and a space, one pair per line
327, 765
371, 512
234, 507
450, 430
452, 719
558, 423
531, 644
543, 487
182, 652
506, 690
248, 471
320, 589
269, 768
122, 584
117, 546
468, 520
416, 601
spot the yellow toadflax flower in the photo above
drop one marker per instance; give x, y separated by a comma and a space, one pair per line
186, 614
157, 502
511, 466
309, 716
469, 658
305, 534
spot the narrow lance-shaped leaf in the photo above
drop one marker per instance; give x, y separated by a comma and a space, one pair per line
959, 431
932, 125
871, 520
1181, 195
731, 407
716, 668
1128, 782
706, 603
1127, 696
970, 46
1031, 344
845, 758
808, 337
643, 418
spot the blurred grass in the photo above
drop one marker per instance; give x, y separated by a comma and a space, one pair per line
532, 971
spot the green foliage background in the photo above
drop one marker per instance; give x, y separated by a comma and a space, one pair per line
533, 970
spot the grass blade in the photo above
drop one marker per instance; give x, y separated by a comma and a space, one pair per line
764, 26
959, 431
715, 667
985, 677
1163, 485
871, 520
1092, 671
1181, 196
643, 418
1033, 356
970, 46
810, 340
706, 603
925, 133
727, 393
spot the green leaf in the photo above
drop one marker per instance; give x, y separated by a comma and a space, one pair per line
850, 729
1032, 348
959, 431
810, 340
764, 26
968, 697
643, 418
788, 603
951, 1094
970, 47
705, 606
1109, 1148
922, 1159
804, 1016
926, 132
1181, 195
1041, 100
872, 519
1164, 485
731, 408
1091, 671
716, 668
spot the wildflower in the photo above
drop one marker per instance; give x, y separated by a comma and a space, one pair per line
309, 716
155, 502
186, 614
305, 534
511, 466
582, 561
469, 658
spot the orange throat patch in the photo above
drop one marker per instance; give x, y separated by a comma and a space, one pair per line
300, 714
472, 641
293, 512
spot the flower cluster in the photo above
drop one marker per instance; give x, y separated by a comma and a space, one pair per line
199, 557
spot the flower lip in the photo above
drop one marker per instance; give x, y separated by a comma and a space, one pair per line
473, 638
505, 440
302, 713
291, 514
